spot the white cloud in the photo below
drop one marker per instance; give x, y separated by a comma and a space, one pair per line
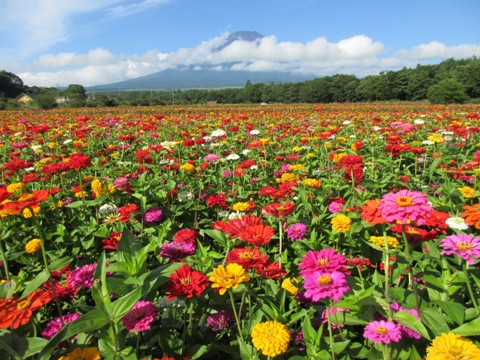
357, 55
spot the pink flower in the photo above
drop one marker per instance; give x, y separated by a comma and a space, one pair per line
296, 231
335, 207
321, 285
56, 324
82, 276
382, 332
465, 246
325, 260
405, 207
409, 333
140, 317
221, 320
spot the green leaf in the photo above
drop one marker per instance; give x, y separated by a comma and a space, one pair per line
38, 281
434, 321
128, 244
122, 306
455, 311
471, 328
60, 263
218, 236
100, 292
159, 277
7, 289
411, 322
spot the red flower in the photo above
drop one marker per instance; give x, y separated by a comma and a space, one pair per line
26, 200
186, 282
78, 161
112, 242
272, 270
15, 165
280, 211
247, 257
217, 200
235, 226
126, 211
257, 235
15, 312
185, 235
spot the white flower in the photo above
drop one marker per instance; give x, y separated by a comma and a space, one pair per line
427, 142
456, 223
377, 128
254, 167
218, 133
68, 141
36, 147
233, 157
245, 151
223, 213
254, 132
235, 215
185, 196
107, 209
418, 122
346, 122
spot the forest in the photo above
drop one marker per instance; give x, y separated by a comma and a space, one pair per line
451, 81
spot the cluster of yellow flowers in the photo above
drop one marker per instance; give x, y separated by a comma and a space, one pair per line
380, 241
101, 189
467, 192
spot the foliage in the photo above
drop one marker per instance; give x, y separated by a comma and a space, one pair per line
447, 91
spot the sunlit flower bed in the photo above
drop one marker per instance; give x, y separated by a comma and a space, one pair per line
342, 231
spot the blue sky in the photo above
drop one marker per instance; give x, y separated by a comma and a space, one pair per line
90, 42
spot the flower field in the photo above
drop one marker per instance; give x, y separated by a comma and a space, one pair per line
332, 231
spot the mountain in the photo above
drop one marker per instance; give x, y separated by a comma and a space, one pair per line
203, 76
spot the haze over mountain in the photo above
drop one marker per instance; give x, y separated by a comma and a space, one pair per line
206, 76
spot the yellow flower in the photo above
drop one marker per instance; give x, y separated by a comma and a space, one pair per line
341, 223
51, 145
341, 139
467, 192
297, 167
271, 338
312, 183
452, 347
328, 145
240, 206
28, 214
436, 138
380, 241
338, 157
33, 245
288, 285
90, 353
100, 188
297, 149
310, 155
16, 187
187, 167
80, 194
287, 177
228, 277
115, 154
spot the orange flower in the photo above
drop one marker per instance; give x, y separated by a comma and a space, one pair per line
472, 215
371, 213
15, 312
277, 210
26, 200
257, 235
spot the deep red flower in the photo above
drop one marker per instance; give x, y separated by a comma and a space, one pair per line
126, 211
186, 282
185, 235
26, 200
78, 161
272, 270
217, 200
15, 165
112, 242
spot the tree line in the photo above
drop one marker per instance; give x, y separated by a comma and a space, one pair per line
451, 81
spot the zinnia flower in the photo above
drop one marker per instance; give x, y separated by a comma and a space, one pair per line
451, 346
15, 312
153, 215
296, 231
175, 250
246, 257
257, 235
472, 215
271, 338
90, 353
341, 223
56, 324
371, 212
82, 276
382, 332
465, 246
228, 277
186, 282
140, 317
405, 207
280, 211
221, 320
456, 223
33, 245
322, 285
325, 260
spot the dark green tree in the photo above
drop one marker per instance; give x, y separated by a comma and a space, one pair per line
10, 85
447, 91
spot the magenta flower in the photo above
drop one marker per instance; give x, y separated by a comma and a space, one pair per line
405, 207
211, 158
140, 317
325, 260
221, 320
465, 246
175, 250
321, 285
382, 332
296, 231
82, 276
153, 215
335, 207
56, 324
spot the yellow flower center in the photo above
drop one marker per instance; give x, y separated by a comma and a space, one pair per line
23, 304
246, 255
186, 280
322, 262
25, 197
381, 330
324, 280
464, 246
404, 201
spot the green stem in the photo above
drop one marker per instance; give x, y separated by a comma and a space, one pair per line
5, 261
280, 239
330, 333
237, 320
387, 275
408, 256
469, 287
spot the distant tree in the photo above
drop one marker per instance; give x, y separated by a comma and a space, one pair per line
45, 101
76, 94
469, 75
10, 85
447, 91
371, 88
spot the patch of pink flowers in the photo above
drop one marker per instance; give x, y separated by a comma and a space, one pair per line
140, 317
405, 207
